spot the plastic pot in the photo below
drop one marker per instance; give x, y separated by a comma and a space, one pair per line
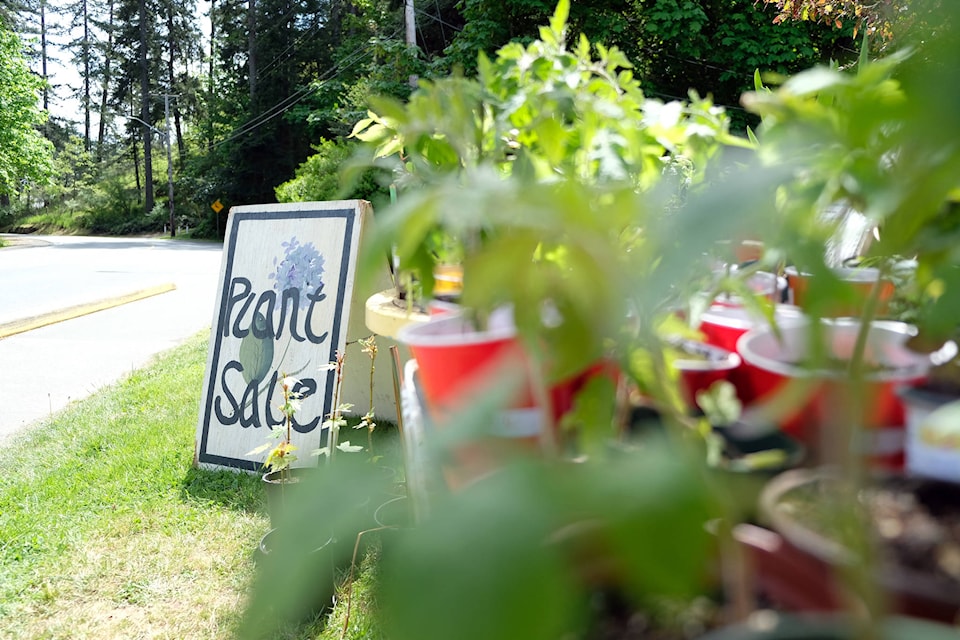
457, 361
699, 373
563, 393
860, 279
791, 579
772, 363
910, 590
283, 488
933, 438
314, 572
394, 513
447, 282
456, 364
723, 326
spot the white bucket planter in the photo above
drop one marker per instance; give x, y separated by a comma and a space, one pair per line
933, 434
861, 279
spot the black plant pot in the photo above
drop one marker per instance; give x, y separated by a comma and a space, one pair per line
312, 587
766, 451
392, 519
394, 513
284, 488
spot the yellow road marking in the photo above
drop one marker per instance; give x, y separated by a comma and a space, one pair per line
35, 322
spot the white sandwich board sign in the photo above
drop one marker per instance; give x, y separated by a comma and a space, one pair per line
283, 305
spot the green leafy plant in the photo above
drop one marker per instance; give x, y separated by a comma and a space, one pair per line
317, 178
281, 455
596, 213
27, 155
547, 153
368, 420
335, 419
863, 140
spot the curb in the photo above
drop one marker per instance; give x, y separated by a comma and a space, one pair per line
53, 317
19, 241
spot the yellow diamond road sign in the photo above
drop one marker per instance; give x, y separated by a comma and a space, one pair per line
217, 206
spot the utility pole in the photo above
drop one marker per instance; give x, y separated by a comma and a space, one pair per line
166, 113
165, 135
252, 46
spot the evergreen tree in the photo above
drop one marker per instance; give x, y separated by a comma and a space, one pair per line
158, 43
273, 57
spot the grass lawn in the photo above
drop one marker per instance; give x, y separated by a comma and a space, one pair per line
107, 531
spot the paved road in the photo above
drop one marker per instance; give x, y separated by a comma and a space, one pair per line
45, 368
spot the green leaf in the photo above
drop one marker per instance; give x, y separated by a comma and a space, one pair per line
558, 23
256, 353
373, 133
553, 140
258, 450
361, 125
591, 421
504, 521
814, 81
720, 403
346, 447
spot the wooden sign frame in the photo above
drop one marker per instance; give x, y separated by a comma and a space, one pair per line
284, 297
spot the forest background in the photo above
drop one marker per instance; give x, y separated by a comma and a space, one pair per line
258, 104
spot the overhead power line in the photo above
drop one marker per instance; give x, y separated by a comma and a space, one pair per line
290, 101
266, 70
438, 19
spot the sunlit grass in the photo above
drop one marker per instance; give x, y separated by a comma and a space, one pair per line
354, 616
52, 221
107, 530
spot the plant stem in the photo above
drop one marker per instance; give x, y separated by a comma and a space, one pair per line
334, 436
853, 468
288, 422
373, 360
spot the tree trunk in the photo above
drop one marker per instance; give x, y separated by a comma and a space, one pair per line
85, 49
171, 82
136, 166
105, 89
178, 126
213, 55
43, 54
145, 108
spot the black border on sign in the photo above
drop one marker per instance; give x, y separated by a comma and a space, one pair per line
250, 216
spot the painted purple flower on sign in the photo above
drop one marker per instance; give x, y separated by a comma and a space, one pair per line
301, 268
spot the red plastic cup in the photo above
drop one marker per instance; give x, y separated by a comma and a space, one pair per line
773, 363
723, 326
456, 361
698, 375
